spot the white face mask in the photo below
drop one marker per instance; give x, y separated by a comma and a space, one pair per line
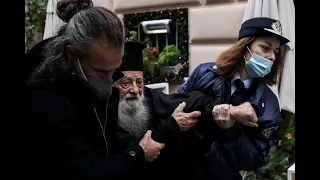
258, 66
100, 86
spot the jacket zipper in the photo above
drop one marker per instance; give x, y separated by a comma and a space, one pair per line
221, 102
103, 127
222, 90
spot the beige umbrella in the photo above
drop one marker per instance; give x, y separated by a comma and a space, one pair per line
53, 22
284, 11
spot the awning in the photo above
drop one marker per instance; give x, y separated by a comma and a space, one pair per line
53, 22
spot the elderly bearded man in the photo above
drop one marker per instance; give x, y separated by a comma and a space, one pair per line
171, 118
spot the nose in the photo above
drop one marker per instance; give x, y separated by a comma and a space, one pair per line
109, 75
272, 57
134, 89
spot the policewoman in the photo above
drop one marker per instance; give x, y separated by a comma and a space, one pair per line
249, 112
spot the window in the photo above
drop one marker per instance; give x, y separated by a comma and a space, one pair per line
177, 36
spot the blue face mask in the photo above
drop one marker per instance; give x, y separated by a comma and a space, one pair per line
258, 66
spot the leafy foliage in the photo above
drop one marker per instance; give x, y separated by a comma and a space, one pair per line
35, 15
133, 36
150, 56
281, 156
169, 56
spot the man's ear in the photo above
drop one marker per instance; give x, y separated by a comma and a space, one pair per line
70, 51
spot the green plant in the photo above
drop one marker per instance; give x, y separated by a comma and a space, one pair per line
281, 156
150, 56
288, 135
275, 169
35, 15
133, 36
169, 56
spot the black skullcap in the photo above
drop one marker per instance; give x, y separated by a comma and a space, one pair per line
132, 59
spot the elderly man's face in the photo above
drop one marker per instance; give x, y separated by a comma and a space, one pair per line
131, 85
133, 112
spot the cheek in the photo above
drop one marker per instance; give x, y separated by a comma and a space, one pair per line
109, 75
87, 71
123, 92
258, 50
247, 55
140, 91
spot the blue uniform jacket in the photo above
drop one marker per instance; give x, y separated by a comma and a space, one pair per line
239, 148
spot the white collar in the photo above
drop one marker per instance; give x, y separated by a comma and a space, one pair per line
247, 82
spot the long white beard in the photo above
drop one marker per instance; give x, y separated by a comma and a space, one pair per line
133, 115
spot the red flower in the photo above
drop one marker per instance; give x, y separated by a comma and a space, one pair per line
152, 50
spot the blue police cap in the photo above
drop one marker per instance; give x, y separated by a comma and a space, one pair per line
262, 26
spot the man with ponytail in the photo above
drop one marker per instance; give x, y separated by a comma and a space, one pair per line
71, 108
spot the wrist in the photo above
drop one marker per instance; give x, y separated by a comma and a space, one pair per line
135, 151
232, 111
227, 125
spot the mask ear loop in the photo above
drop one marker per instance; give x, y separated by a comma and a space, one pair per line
81, 70
249, 52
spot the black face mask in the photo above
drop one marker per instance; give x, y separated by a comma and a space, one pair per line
99, 86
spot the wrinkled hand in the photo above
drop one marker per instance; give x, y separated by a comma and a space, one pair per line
222, 117
185, 120
244, 114
150, 147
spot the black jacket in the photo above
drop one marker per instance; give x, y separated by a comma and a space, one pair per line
65, 136
179, 159
34, 57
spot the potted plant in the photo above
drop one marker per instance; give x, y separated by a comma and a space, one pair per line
169, 61
150, 56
